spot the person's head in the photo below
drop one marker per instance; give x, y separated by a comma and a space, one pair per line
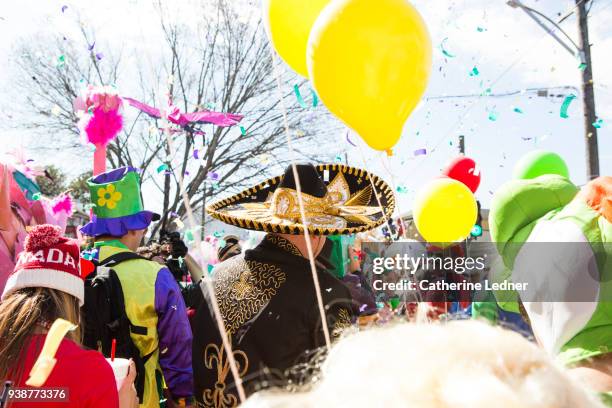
230, 248
133, 238
462, 364
153, 252
27, 310
45, 285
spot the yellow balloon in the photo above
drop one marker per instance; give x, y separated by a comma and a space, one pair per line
445, 211
288, 24
369, 62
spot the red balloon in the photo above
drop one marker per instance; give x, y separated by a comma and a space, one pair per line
464, 169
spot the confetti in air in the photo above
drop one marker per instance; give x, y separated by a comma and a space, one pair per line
315, 98
61, 61
565, 105
444, 50
298, 95
349, 140
164, 167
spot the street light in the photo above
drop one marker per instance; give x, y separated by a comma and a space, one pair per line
582, 51
576, 51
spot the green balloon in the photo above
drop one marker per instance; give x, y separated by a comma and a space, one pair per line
538, 163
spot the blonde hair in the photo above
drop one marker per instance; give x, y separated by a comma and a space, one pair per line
21, 313
462, 364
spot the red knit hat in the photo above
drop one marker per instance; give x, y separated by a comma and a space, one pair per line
49, 260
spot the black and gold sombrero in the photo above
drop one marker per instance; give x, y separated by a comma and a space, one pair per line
337, 199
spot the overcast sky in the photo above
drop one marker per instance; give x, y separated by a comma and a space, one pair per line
509, 50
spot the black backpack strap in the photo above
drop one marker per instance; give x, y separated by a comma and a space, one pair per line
115, 260
140, 367
120, 257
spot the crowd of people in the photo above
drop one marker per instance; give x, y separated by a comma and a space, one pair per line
293, 321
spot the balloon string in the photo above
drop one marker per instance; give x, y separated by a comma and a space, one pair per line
380, 206
385, 163
296, 176
207, 278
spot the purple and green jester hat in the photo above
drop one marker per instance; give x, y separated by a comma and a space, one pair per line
117, 204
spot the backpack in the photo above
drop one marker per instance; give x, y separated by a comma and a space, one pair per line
105, 317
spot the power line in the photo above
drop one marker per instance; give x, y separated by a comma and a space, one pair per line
542, 91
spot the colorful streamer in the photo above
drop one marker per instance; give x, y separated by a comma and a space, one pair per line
315, 98
443, 49
565, 105
298, 95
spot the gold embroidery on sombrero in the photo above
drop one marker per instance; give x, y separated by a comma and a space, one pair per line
339, 190
343, 322
283, 244
215, 357
244, 288
280, 211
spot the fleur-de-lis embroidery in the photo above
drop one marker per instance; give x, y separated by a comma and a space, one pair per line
216, 357
243, 287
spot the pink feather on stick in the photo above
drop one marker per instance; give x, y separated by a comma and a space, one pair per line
101, 120
103, 127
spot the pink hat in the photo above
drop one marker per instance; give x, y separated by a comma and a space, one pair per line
49, 260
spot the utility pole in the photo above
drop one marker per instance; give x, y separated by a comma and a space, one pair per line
588, 95
461, 144
583, 53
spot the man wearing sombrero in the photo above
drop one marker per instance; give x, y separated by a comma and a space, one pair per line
267, 295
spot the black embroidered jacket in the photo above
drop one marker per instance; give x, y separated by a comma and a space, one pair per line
268, 302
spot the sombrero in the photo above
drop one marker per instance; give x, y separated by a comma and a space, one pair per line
337, 199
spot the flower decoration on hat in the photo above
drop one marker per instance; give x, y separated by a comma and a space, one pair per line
118, 206
108, 197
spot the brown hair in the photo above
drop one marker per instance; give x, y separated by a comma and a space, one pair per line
21, 313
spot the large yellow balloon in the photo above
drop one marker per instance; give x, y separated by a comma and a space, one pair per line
445, 211
288, 24
369, 61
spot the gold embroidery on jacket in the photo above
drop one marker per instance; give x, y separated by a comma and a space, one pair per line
216, 357
244, 288
283, 244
